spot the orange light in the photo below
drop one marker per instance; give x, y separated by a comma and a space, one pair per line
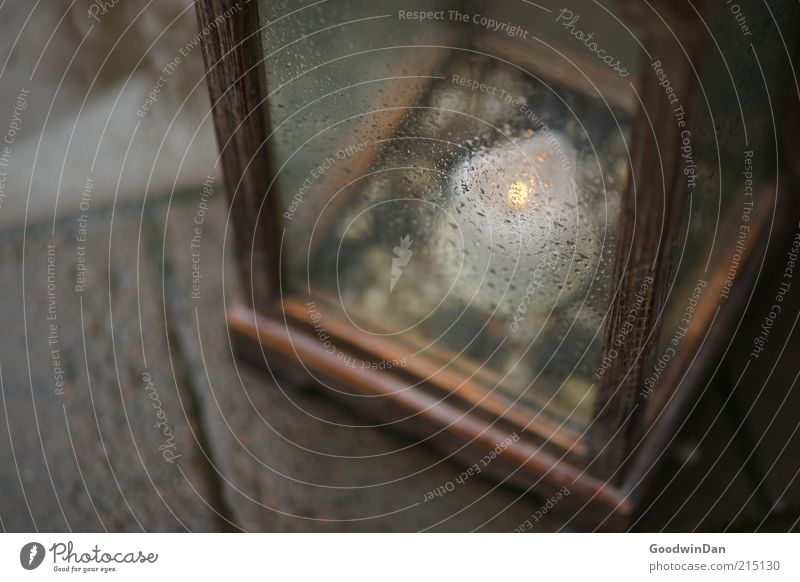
518, 194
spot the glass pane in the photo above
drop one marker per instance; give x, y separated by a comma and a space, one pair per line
451, 175
730, 188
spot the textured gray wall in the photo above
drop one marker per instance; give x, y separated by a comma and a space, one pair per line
71, 83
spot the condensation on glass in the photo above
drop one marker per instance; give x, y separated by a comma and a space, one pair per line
451, 184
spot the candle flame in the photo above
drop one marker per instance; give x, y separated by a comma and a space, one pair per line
518, 194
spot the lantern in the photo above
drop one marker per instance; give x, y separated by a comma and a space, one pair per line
501, 222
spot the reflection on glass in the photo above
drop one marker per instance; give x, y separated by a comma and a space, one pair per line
735, 166
457, 202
